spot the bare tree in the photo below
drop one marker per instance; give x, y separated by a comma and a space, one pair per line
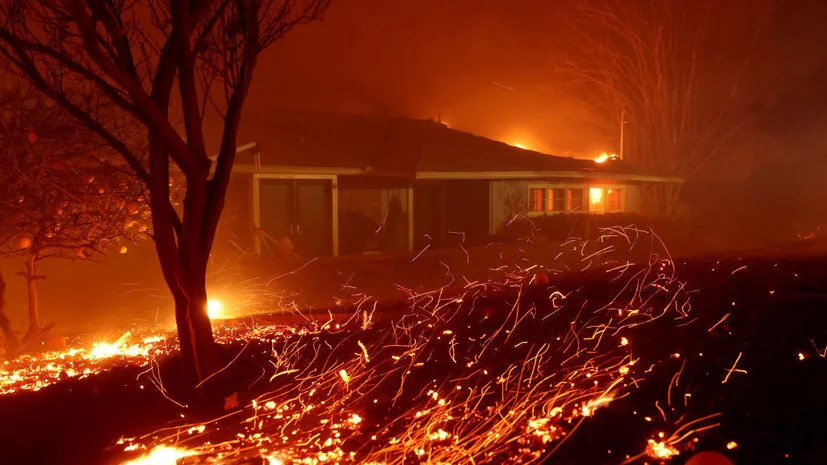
658, 66
133, 53
57, 198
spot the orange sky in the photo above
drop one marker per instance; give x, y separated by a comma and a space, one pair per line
486, 69
486, 66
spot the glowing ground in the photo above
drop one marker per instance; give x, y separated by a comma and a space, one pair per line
634, 361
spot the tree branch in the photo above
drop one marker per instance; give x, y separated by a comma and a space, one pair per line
156, 117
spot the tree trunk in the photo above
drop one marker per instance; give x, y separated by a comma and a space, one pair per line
184, 269
12, 344
31, 287
198, 347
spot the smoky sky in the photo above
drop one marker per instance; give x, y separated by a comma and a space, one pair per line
483, 66
491, 67
488, 66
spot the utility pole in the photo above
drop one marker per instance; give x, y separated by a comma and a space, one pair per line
622, 125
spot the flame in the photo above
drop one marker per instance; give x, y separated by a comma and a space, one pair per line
605, 156
161, 455
215, 309
101, 350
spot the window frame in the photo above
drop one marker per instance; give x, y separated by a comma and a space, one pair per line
549, 204
532, 187
547, 186
622, 189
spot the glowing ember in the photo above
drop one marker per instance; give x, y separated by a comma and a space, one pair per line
660, 450
34, 372
451, 380
161, 455
273, 460
30, 372
732, 445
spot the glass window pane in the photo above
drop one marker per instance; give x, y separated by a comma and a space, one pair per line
557, 199
575, 200
613, 200
536, 199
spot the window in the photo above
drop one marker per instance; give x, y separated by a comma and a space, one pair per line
596, 200
613, 200
560, 198
575, 199
556, 199
537, 199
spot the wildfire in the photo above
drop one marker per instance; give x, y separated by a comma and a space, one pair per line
440, 373
105, 350
603, 157
520, 145
451, 380
34, 372
161, 455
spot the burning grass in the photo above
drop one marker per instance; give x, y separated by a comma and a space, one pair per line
34, 372
497, 371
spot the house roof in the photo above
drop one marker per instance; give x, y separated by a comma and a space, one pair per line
402, 147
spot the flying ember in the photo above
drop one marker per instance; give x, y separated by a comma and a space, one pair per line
451, 379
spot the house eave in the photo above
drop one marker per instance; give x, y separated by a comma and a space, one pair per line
283, 169
434, 175
448, 175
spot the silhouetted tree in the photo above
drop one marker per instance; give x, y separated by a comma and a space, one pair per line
12, 342
132, 54
660, 64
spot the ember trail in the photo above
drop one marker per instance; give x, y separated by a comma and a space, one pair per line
489, 372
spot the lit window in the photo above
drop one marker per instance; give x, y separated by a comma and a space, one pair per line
596, 203
613, 200
556, 199
537, 199
575, 200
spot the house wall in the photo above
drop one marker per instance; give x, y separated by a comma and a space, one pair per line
633, 198
235, 230
448, 213
507, 198
474, 207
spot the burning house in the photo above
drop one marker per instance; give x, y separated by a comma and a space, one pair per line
329, 184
